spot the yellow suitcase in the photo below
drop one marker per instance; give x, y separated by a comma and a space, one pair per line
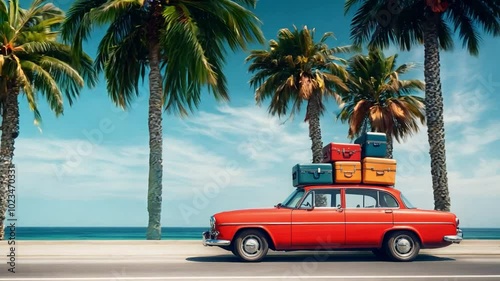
347, 172
379, 171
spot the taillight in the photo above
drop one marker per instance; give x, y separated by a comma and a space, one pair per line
457, 221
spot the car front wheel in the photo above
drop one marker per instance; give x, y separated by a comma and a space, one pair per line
402, 246
251, 245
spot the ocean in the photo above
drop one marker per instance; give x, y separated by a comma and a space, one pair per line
168, 233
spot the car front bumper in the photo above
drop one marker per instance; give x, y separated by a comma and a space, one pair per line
210, 239
454, 238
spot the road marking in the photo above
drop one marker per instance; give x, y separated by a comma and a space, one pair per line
334, 277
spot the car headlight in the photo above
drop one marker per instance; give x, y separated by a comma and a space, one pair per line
212, 222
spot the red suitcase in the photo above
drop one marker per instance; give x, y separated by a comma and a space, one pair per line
341, 152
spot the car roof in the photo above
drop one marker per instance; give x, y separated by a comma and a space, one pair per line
365, 186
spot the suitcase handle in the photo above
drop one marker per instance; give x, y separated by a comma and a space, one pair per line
380, 173
347, 154
294, 175
348, 174
376, 144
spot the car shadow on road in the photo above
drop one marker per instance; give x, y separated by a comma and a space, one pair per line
315, 257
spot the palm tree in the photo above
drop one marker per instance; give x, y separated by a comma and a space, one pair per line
33, 62
181, 43
297, 69
379, 99
431, 22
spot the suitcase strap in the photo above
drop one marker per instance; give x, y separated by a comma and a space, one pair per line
375, 143
316, 173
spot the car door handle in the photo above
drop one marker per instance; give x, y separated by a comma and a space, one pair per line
388, 211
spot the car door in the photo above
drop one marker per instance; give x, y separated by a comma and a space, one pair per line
366, 218
321, 226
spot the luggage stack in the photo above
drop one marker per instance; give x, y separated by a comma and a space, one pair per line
376, 168
345, 159
361, 162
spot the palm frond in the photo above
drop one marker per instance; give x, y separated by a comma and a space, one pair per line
45, 83
357, 116
294, 67
78, 24
466, 29
185, 65
376, 92
125, 67
484, 13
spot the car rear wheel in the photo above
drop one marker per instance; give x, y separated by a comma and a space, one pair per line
251, 245
402, 246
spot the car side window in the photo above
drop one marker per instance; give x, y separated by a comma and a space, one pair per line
387, 200
308, 201
361, 198
327, 198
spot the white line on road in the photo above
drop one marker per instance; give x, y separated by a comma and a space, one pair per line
251, 277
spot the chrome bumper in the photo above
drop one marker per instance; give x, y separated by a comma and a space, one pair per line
454, 238
210, 240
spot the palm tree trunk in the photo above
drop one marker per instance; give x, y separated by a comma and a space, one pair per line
313, 107
434, 116
10, 129
155, 136
364, 127
390, 147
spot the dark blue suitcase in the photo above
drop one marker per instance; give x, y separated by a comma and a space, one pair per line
373, 144
305, 174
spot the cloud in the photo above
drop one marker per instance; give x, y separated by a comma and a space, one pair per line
475, 139
465, 107
232, 158
250, 153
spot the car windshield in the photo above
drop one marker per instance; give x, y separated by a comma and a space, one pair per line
407, 202
292, 200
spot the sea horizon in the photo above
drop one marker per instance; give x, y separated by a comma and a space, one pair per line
168, 233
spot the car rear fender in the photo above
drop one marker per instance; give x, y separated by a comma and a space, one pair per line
401, 228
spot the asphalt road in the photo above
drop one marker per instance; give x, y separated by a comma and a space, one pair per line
277, 266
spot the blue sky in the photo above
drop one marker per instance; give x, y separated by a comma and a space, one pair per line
89, 167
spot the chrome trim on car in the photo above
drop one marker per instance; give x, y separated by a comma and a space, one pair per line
370, 222
424, 222
454, 238
208, 241
253, 223
212, 223
301, 223
313, 222
278, 223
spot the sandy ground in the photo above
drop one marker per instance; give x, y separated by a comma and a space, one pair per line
161, 248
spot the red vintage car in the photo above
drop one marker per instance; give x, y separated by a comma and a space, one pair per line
335, 217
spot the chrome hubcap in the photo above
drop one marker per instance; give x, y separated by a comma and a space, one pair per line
403, 246
251, 245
